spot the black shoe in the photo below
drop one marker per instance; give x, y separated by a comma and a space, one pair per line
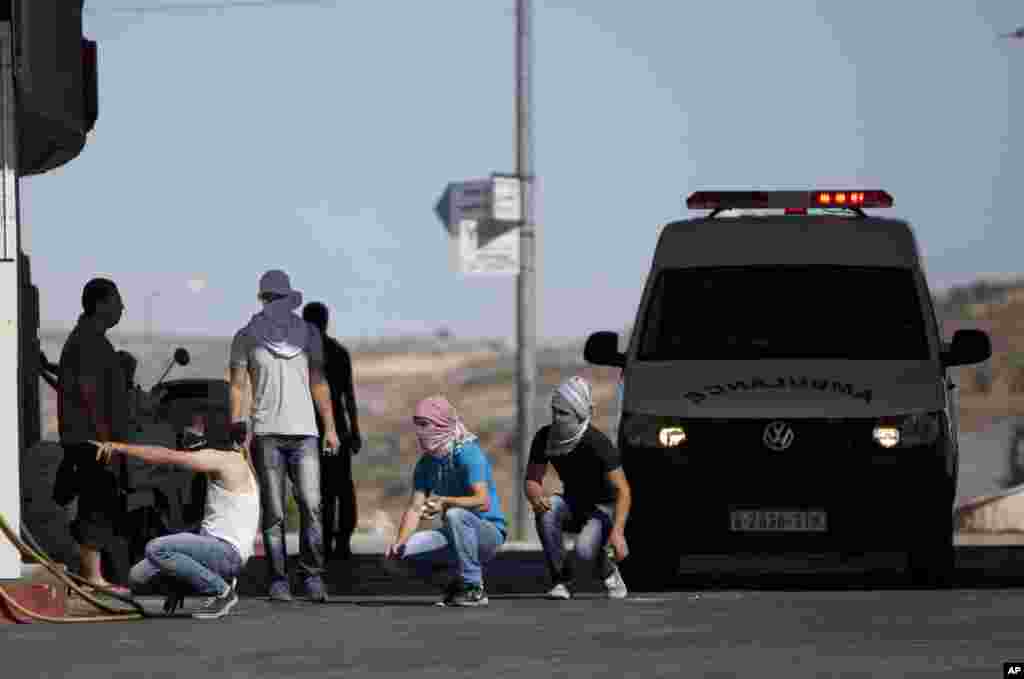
218, 606
175, 599
449, 592
469, 595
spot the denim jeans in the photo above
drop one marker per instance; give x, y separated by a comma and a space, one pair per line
464, 540
299, 458
590, 541
202, 561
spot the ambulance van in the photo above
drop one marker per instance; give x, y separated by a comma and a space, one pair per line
786, 388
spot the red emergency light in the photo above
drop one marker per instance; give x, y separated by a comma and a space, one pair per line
791, 200
851, 199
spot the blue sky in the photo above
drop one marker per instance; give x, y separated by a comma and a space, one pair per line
317, 139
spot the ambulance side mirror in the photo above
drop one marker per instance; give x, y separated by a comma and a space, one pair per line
968, 347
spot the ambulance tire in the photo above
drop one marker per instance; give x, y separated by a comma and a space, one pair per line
651, 565
931, 559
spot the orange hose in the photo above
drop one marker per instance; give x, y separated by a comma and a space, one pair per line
64, 577
13, 605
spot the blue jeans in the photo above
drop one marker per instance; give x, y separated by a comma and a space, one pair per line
590, 541
464, 540
202, 561
299, 458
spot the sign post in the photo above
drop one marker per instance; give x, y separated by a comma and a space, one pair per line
526, 318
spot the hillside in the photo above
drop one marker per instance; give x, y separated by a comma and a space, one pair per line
994, 389
479, 377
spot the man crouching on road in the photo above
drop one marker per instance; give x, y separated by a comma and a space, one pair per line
207, 564
596, 500
452, 479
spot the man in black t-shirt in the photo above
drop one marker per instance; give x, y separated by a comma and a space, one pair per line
338, 491
595, 500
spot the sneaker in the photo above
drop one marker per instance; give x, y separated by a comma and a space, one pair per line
615, 585
218, 606
280, 591
559, 591
450, 590
469, 595
316, 590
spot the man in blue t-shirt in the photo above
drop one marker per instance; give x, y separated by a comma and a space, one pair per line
452, 480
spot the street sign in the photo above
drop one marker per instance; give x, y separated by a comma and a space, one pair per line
485, 247
463, 200
482, 217
498, 199
506, 198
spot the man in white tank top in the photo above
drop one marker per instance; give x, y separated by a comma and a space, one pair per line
209, 562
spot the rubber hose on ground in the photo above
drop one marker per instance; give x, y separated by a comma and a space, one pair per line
61, 575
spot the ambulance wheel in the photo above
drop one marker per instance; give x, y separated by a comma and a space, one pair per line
650, 567
931, 561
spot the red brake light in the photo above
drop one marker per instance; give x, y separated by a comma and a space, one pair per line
852, 198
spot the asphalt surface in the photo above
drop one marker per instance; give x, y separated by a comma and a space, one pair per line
718, 633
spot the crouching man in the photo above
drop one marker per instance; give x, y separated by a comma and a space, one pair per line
209, 562
453, 480
596, 498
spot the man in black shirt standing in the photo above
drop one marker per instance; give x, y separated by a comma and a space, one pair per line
595, 499
338, 492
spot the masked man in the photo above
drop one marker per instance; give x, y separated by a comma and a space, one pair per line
282, 356
452, 480
596, 498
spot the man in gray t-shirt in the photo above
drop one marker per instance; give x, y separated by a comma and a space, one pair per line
281, 357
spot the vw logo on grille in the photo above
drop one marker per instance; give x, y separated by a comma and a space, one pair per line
778, 436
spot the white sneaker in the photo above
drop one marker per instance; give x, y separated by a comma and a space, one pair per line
559, 591
615, 585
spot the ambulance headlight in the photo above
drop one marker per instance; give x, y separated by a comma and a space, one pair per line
887, 437
653, 431
908, 431
670, 437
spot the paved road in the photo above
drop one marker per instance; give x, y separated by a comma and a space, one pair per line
723, 633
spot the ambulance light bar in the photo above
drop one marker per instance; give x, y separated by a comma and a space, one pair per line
725, 200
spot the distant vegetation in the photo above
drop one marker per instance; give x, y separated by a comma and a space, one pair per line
974, 299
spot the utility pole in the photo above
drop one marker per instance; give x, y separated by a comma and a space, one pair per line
11, 363
526, 321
